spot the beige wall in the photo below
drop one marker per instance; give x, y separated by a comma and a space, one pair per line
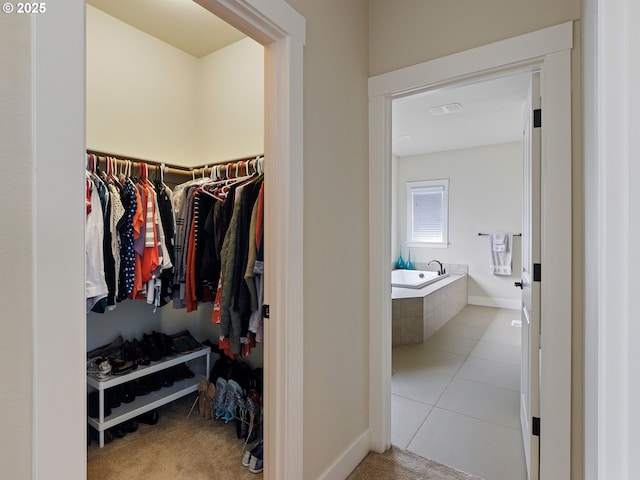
16, 366
141, 93
485, 195
335, 260
147, 99
231, 103
407, 32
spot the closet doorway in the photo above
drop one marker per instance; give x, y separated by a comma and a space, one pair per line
281, 31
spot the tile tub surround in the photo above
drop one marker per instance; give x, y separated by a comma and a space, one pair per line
416, 314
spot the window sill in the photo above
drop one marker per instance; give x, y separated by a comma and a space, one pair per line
426, 245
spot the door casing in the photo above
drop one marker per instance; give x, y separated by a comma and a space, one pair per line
550, 50
58, 146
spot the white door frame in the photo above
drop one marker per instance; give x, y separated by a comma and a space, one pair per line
549, 48
59, 317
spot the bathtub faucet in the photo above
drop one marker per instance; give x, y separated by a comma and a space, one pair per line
441, 271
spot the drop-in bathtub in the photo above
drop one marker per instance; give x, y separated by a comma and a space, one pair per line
414, 278
423, 304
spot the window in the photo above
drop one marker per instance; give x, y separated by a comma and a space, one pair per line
427, 213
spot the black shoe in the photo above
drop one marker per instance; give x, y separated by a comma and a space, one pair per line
150, 348
111, 349
141, 357
150, 418
93, 406
118, 431
163, 343
127, 393
113, 397
131, 425
184, 371
141, 387
164, 379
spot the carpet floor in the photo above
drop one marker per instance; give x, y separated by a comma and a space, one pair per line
181, 448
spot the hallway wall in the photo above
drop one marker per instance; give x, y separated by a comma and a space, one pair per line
336, 343
408, 32
16, 249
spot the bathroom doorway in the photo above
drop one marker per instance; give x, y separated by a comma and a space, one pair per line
457, 381
550, 51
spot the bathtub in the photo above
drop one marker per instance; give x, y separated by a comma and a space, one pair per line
422, 305
414, 278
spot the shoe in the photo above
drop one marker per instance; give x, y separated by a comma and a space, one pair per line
131, 425
163, 343
163, 378
113, 397
127, 393
184, 371
139, 354
246, 458
220, 397
93, 406
253, 414
110, 349
234, 393
120, 366
203, 386
99, 367
149, 418
255, 462
141, 387
150, 348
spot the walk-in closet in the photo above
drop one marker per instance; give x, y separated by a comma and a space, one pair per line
174, 243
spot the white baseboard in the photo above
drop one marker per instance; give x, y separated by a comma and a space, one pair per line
349, 460
495, 302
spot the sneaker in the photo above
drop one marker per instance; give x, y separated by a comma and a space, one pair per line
255, 464
220, 397
234, 392
246, 458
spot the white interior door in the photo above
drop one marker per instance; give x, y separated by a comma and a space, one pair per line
530, 284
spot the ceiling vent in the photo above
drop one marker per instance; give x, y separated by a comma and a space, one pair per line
446, 109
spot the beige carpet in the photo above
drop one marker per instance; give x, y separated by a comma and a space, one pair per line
399, 464
180, 448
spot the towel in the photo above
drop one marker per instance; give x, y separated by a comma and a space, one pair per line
500, 258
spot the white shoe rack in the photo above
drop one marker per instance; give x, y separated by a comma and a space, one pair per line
145, 403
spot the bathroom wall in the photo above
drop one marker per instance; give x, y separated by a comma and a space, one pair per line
485, 195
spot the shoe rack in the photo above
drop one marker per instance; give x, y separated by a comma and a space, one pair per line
142, 404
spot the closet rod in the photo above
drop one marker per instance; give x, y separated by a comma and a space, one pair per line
121, 159
487, 234
169, 168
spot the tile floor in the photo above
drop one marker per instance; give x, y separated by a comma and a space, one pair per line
455, 398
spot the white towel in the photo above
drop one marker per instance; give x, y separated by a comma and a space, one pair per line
500, 258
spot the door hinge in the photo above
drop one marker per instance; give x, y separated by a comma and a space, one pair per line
537, 274
265, 311
535, 426
537, 118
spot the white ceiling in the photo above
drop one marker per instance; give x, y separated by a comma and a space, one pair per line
181, 23
492, 114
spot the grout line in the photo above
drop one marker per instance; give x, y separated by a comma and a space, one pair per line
476, 418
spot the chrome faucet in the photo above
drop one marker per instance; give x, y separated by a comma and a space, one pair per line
441, 271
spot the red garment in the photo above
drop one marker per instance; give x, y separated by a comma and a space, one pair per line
190, 280
260, 219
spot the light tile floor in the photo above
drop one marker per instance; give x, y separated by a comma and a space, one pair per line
455, 398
